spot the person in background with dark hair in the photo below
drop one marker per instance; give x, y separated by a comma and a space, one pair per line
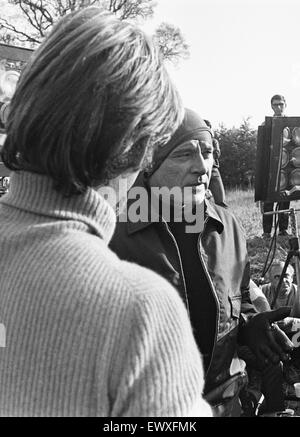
278, 105
216, 184
83, 333
288, 291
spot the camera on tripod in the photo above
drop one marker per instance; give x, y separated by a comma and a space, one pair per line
277, 175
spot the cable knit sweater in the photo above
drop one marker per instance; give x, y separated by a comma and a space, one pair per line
86, 333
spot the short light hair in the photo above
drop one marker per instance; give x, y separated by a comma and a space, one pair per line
91, 103
277, 97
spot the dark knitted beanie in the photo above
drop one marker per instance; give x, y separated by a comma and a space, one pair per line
189, 129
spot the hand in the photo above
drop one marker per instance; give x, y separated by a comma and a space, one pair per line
287, 324
267, 341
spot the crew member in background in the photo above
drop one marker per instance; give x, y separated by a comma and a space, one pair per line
278, 104
288, 291
216, 186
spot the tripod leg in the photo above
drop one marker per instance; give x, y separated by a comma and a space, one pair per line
297, 269
295, 312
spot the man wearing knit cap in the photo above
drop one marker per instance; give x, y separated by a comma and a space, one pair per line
209, 268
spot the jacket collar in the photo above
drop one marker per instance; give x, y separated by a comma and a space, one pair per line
211, 213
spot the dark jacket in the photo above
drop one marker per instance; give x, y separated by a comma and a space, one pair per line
223, 254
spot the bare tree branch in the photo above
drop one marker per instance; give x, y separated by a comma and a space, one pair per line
171, 43
4, 24
41, 15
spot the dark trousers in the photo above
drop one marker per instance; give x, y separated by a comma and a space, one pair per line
224, 399
272, 387
270, 379
283, 218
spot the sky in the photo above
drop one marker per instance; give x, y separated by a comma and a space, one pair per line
242, 52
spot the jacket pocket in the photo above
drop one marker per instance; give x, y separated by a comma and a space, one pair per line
235, 304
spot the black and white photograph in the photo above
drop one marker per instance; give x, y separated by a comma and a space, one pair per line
149, 209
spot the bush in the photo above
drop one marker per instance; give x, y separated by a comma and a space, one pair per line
238, 148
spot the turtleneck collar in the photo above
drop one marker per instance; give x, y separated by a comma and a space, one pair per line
34, 193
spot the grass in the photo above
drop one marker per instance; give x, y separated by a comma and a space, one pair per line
245, 209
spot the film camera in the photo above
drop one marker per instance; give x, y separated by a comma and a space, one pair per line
277, 175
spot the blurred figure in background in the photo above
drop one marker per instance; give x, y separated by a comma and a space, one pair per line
8, 83
285, 296
216, 186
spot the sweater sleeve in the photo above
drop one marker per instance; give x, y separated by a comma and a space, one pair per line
161, 373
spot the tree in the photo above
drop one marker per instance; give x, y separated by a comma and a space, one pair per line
171, 43
238, 147
40, 15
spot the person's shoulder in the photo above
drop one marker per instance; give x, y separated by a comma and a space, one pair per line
145, 283
227, 215
121, 231
158, 330
81, 247
147, 289
100, 271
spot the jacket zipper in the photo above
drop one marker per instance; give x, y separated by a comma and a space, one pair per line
214, 294
181, 268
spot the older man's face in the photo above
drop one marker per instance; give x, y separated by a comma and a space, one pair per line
188, 165
287, 279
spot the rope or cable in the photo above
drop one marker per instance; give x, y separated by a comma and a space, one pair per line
273, 246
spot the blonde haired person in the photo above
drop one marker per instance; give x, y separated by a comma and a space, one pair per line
86, 333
